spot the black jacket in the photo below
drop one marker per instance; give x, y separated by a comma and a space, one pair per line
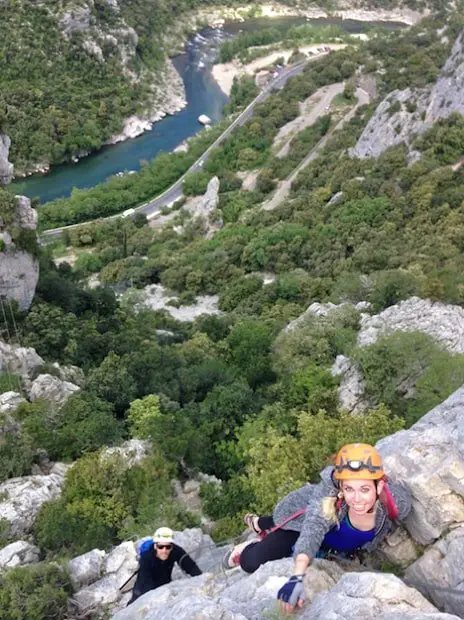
154, 572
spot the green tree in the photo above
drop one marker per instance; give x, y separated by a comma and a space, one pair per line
112, 382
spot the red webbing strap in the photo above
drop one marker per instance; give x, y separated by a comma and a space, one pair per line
279, 526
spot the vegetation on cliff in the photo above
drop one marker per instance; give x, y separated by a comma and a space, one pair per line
237, 395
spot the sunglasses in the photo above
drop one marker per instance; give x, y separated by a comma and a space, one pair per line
164, 546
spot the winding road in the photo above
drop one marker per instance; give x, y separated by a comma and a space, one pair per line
173, 193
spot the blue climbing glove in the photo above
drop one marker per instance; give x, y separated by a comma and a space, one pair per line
292, 591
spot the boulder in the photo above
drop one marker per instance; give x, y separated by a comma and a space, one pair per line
18, 554
86, 568
442, 565
443, 322
429, 457
22, 498
52, 389
370, 596
10, 401
6, 169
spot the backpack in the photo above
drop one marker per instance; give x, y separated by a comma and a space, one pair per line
145, 546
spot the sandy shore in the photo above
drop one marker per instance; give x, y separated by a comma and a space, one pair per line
224, 73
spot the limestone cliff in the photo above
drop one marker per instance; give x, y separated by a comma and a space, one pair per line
19, 269
404, 114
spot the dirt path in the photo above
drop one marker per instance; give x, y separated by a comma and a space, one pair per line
314, 107
284, 187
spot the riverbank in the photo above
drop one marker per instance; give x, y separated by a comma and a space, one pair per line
225, 73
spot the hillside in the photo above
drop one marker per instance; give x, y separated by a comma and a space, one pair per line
188, 369
72, 72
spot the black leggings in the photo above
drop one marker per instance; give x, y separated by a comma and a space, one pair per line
275, 546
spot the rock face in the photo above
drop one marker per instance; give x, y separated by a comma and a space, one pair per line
52, 389
443, 322
6, 169
443, 566
18, 554
429, 457
370, 596
388, 127
329, 593
22, 498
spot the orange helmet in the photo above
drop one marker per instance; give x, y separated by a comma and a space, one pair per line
358, 461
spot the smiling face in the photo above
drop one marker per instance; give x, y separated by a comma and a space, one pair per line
360, 495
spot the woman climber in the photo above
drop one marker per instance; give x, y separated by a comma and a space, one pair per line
351, 509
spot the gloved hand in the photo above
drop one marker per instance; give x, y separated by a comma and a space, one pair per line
292, 591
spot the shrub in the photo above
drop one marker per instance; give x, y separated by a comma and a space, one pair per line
33, 592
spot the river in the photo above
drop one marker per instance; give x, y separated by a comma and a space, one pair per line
203, 97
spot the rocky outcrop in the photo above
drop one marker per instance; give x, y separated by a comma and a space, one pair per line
429, 457
329, 593
322, 310
6, 169
350, 392
98, 576
443, 322
19, 269
10, 401
132, 451
404, 114
52, 389
204, 208
18, 553
155, 297
22, 498
439, 569
22, 361
115, 568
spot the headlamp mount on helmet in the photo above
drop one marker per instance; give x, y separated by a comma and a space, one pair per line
355, 465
